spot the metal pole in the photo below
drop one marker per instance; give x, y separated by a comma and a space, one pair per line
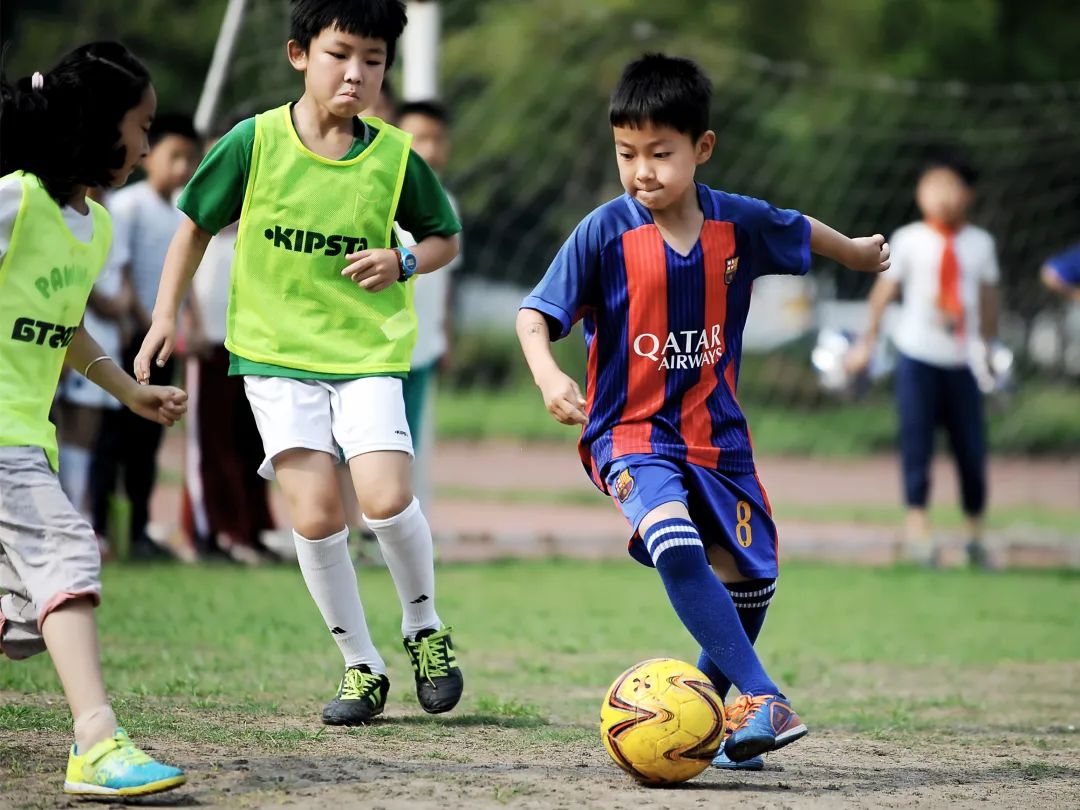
219, 65
420, 52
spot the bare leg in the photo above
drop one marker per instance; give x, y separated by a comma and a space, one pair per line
71, 636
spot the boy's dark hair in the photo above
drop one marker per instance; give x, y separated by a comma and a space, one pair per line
951, 159
377, 19
172, 124
662, 90
430, 108
68, 132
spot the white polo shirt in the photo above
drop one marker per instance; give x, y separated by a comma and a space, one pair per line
431, 294
919, 331
212, 282
146, 222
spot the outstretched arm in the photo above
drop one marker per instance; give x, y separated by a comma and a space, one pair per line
185, 252
561, 393
884, 291
1052, 281
158, 403
867, 254
988, 312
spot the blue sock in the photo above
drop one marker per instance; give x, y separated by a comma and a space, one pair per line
751, 599
704, 605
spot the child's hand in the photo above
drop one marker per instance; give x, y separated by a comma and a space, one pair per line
869, 254
157, 346
563, 399
858, 359
374, 270
163, 404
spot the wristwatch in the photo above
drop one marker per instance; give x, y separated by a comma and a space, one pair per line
407, 260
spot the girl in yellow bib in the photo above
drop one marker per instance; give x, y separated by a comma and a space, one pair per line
321, 326
83, 124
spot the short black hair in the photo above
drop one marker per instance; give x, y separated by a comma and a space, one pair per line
172, 124
429, 108
377, 19
952, 159
665, 91
67, 133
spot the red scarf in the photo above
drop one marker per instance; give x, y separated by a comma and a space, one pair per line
949, 302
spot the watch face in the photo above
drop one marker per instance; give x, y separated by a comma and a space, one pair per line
409, 261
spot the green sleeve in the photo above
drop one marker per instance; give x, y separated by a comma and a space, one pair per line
423, 209
213, 197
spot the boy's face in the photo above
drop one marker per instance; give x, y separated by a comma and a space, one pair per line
657, 163
943, 196
431, 141
171, 162
342, 72
133, 129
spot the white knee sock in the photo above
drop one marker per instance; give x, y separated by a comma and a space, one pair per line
405, 540
331, 581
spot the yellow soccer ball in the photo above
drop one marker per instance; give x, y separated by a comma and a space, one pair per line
662, 721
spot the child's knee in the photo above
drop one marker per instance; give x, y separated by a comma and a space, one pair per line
316, 526
389, 501
317, 513
665, 511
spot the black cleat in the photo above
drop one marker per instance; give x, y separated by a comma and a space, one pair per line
438, 678
360, 698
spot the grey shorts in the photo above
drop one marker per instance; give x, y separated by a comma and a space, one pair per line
48, 552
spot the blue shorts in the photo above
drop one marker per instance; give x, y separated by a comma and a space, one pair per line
730, 510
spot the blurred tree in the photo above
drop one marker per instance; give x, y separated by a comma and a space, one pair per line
830, 125
175, 40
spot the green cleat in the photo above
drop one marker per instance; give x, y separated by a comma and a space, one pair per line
438, 678
361, 697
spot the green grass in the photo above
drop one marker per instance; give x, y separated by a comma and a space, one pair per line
1041, 420
235, 653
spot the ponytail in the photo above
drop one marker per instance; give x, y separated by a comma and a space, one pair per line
64, 125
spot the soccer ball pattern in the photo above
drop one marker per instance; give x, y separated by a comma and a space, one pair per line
662, 721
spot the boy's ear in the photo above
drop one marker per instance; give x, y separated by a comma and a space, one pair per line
298, 55
704, 147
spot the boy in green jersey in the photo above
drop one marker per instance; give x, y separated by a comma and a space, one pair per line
321, 327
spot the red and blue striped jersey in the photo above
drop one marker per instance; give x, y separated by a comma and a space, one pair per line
663, 332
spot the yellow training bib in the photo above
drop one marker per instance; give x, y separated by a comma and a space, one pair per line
289, 305
45, 278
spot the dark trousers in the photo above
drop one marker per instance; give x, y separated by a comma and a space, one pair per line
928, 396
223, 492
127, 447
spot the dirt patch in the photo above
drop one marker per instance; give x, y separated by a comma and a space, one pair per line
491, 767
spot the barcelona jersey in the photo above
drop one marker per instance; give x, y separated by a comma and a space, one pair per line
663, 331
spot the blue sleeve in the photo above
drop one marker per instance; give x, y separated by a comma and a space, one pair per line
1066, 266
781, 239
566, 289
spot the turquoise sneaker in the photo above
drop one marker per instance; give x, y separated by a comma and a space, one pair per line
761, 724
115, 767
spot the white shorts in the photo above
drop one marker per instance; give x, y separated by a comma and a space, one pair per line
357, 416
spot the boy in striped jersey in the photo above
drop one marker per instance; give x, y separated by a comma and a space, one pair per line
661, 278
